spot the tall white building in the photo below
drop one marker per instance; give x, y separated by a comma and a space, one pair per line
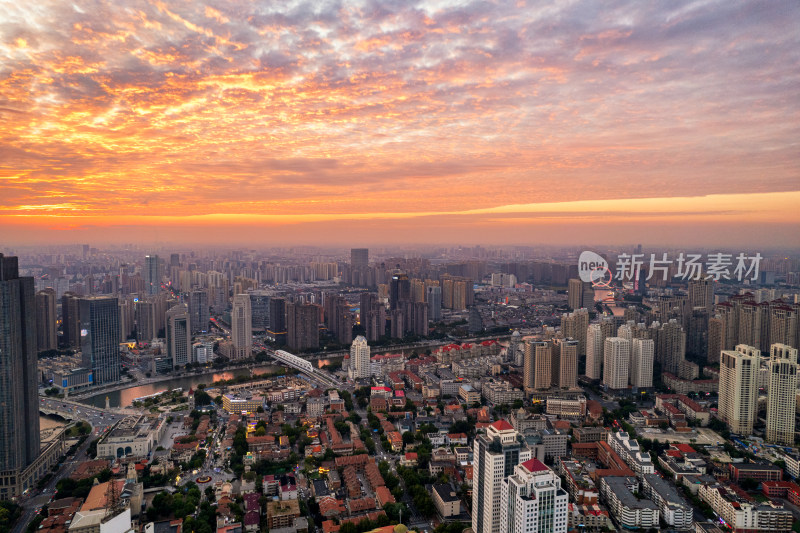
641, 373
242, 327
359, 359
533, 500
616, 363
179, 336
594, 351
738, 388
495, 455
781, 404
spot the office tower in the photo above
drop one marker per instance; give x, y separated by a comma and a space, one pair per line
594, 351
359, 257
145, 314
616, 363
781, 401
716, 338
46, 338
70, 320
242, 327
701, 293
302, 326
100, 337
738, 388
495, 455
359, 359
434, 298
277, 320
199, 311
259, 305
372, 315
641, 371
399, 291
19, 401
574, 326
565, 373
152, 274
532, 500
179, 336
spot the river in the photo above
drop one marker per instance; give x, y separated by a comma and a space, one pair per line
125, 397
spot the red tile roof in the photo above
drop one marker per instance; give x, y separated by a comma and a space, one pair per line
534, 465
502, 425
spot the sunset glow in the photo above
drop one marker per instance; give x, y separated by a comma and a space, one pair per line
333, 121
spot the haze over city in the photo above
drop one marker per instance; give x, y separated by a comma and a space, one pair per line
321, 122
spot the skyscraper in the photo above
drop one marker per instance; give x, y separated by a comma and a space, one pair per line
100, 337
46, 320
495, 455
19, 402
70, 320
616, 363
580, 294
259, 305
574, 326
567, 376
738, 388
701, 293
277, 320
781, 403
359, 359
372, 315
716, 338
433, 295
594, 351
536, 373
359, 257
152, 274
399, 291
302, 326
641, 372
242, 327
199, 310
179, 336
532, 500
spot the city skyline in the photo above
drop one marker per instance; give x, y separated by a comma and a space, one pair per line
234, 123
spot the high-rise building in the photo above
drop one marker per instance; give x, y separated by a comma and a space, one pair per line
127, 323
781, 400
70, 320
242, 327
574, 326
532, 500
302, 326
277, 320
259, 305
580, 294
46, 338
359, 257
594, 351
543, 362
19, 401
434, 298
199, 311
529, 364
701, 293
145, 314
100, 338
670, 345
179, 336
359, 359
372, 315
338, 318
567, 376
152, 274
783, 325
616, 363
738, 388
716, 338
495, 455
641, 372
399, 291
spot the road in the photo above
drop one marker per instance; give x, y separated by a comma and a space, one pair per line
32, 505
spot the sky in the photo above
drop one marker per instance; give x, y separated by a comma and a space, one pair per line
374, 121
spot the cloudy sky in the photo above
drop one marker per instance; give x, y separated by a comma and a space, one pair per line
382, 121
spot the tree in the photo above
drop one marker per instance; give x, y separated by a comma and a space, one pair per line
201, 397
749, 483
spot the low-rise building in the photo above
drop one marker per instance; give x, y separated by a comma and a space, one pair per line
501, 392
742, 515
628, 448
573, 408
629, 511
447, 502
134, 435
674, 510
468, 394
